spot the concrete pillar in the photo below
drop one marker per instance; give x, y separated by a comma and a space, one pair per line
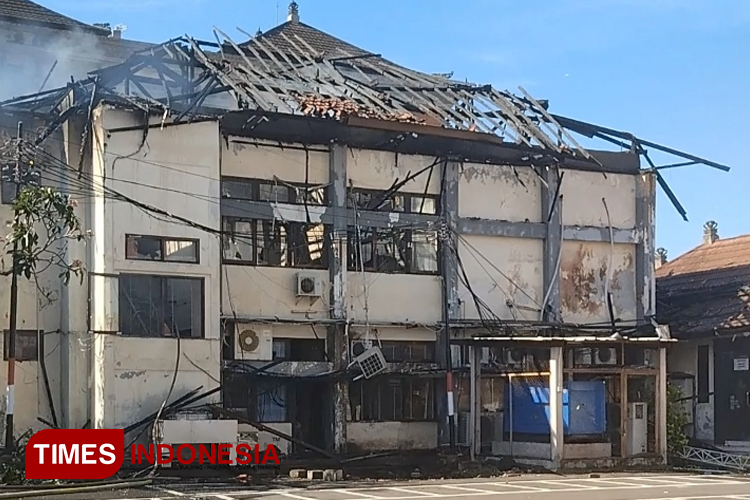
661, 406
475, 427
449, 273
556, 423
552, 218
337, 344
645, 216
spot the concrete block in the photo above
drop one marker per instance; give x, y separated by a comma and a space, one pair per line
298, 473
315, 474
329, 475
339, 475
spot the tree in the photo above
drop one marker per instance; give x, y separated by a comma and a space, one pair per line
43, 221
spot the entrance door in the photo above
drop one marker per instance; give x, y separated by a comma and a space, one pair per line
732, 390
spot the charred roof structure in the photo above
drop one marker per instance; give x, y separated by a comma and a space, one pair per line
276, 81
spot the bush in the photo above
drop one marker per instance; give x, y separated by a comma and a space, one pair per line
677, 420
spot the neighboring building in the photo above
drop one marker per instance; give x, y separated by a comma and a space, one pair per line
703, 296
288, 204
41, 49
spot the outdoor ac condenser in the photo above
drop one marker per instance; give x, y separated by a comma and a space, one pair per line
637, 431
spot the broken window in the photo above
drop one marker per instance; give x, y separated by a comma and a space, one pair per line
27, 345
276, 191
393, 250
381, 201
161, 248
160, 306
274, 243
393, 399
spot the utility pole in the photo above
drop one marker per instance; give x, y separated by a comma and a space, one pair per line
10, 393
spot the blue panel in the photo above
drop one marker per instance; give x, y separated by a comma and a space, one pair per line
584, 407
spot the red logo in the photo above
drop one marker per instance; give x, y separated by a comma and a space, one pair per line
213, 454
75, 453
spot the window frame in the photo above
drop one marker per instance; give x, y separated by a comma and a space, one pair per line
353, 264
22, 333
407, 201
289, 228
369, 393
162, 243
164, 279
291, 188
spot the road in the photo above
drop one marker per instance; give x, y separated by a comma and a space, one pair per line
537, 487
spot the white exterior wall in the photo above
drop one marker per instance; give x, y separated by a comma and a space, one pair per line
683, 357
132, 374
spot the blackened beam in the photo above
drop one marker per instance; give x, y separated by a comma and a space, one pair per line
590, 130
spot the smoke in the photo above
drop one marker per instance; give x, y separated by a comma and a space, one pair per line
32, 53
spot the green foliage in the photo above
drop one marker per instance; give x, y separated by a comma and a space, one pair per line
43, 220
677, 420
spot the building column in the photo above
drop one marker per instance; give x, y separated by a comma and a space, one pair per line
552, 219
449, 273
475, 424
661, 406
556, 423
337, 344
645, 216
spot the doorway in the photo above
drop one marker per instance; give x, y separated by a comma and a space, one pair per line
732, 390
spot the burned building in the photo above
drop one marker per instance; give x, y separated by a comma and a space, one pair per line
361, 255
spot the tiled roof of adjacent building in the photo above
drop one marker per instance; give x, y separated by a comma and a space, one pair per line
27, 12
706, 290
284, 36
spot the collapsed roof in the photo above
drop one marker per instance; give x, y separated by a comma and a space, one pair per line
297, 70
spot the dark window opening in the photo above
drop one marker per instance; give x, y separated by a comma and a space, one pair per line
366, 199
414, 352
703, 373
392, 250
273, 191
159, 306
258, 400
393, 399
274, 243
27, 345
161, 249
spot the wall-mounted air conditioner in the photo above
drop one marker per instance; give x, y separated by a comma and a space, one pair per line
308, 285
253, 343
605, 356
514, 357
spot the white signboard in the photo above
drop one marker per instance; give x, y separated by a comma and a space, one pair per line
741, 364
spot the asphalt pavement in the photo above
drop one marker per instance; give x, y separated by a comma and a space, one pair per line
534, 487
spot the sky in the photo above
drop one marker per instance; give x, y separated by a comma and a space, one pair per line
674, 72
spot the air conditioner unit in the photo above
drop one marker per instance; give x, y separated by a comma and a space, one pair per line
359, 346
253, 344
514, 357
308, 285
464, 429
605, 356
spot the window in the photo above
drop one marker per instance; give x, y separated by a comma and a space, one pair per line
365, 199
161, 248
273, 191
159, 306
414, 352
389, 399
27, 345
274, 243
393, 250
703, 374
